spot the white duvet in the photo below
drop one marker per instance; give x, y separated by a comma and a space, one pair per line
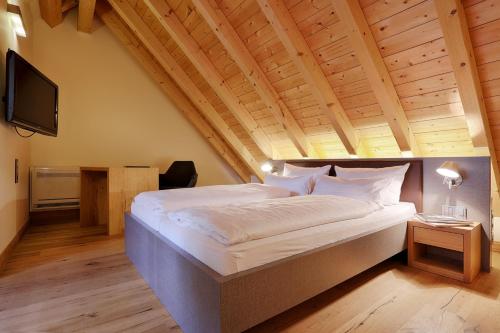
237, 223
169, 200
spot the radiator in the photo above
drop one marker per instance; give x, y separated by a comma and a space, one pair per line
54, 188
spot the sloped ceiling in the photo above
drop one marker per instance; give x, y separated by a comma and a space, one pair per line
289, 79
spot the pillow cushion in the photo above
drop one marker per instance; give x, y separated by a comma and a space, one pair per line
295, 171
396, 175
296, 185
361, 188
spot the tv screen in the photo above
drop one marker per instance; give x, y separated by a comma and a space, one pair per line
31, 98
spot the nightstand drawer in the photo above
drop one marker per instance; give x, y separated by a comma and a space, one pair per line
447, 240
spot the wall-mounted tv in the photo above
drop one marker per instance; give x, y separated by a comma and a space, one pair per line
31, 98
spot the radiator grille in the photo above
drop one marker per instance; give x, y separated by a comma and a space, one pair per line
54, 188
45, 174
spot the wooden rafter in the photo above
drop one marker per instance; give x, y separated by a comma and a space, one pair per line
461, 53
293, 40
51, 11
366, 49
161, 54
68, 5
85, 15
144, 57
224, 31
207, 69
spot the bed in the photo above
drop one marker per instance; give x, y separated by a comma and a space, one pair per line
207, 287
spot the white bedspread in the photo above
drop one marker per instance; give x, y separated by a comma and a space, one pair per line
153, 206
237, 258
243, 222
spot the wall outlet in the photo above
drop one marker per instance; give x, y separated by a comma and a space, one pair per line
458, 212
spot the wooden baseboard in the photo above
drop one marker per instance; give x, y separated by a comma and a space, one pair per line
4, 256
495, 246
54, 216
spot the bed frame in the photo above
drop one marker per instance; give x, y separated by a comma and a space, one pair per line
202, 300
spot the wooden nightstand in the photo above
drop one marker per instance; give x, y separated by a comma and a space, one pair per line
454, 252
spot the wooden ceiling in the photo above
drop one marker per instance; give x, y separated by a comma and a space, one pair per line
288, 79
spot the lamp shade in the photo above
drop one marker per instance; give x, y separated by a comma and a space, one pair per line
449, 169
267, 167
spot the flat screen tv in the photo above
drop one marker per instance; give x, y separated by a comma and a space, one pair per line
31, 98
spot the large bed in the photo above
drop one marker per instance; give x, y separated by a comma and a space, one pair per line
210, 287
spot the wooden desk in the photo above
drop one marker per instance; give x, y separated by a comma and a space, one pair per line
107, 193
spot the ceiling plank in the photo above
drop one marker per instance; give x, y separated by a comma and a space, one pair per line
169, 88
85, 15
51, 11
207, 69
461, 54
296, 46
366, 49
153, 44
453, 21
223, 29
68, 5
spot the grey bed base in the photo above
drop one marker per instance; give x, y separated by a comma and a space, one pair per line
201, 300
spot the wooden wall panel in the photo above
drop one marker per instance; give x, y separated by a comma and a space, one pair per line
377, 10
483, 19
327, 39
410, 40
228, 70
259, 37
379, 141
405, 20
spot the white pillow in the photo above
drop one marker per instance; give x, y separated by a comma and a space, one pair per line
362, 188
296, 185
396, 174
295, 171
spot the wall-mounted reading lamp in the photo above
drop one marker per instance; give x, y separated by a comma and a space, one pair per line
449, 170
16, 19
268, 167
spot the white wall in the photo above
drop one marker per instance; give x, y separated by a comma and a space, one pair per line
110, 111
13, 197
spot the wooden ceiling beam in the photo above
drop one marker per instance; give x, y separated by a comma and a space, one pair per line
207, 69
453, 22
293, 40
68, 5
85, 15
161, 54
51, 11
366, 49
169, 88
237, 49
456, 35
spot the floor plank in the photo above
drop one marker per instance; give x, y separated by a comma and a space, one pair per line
63, 278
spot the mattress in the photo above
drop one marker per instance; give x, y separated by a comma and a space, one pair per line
227, 260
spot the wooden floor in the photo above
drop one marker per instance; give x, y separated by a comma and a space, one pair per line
62, 278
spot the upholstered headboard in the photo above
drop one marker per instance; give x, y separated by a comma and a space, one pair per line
412, 190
